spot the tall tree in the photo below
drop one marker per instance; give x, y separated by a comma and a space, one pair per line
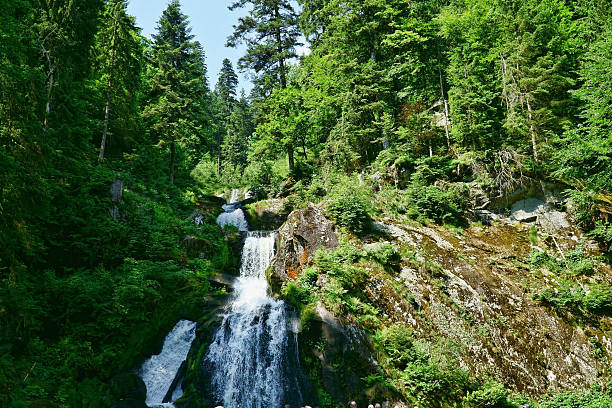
227, 83
118, 55
240, 127
178, 85
270, 32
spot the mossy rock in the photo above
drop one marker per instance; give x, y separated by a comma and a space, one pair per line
127, 390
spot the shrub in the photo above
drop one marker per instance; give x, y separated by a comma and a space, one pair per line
491, 395
205, 175
599, 299
435, 204
384, 254
350, 211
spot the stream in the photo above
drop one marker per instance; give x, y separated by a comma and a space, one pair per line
252, 360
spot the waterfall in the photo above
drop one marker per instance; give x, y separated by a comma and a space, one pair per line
234, 196
159, 371
251, 361
233, 216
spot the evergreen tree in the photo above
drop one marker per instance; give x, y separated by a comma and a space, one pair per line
270, 33
240, 127
226, 84
177, 105
224, 103
118, 55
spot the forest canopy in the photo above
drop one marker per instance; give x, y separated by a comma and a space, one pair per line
444, 101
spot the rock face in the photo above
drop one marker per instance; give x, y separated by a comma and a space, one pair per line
345, 359
507, 334
266, 215
305, 231
127, 391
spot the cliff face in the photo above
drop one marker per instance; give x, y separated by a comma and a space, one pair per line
481, 290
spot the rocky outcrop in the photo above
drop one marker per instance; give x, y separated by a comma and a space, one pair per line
474, 291
116, 192
342, 360
305, 231
266, 215
127, 391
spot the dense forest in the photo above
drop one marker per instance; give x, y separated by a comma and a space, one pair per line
421, 110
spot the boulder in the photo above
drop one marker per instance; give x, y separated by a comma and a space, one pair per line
553, 221
128, 390
527, 210
344, 360
305, 231
265, 215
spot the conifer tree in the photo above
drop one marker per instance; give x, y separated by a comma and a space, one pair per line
227, 83
270, 32
178, 86
118, 56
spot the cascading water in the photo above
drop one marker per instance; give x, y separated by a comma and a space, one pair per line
159, 371
234, 196
252, 360
232, 214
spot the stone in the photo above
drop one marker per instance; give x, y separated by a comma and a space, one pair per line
486, 217
553, 221
128, 390
305, 231
527, 210
116, 191
345, 359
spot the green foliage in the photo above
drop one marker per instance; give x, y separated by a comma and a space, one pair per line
594, 398
599, 299
178, 90
350, 211
418, 374
491, 395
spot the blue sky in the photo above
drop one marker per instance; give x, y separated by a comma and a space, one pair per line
211, 22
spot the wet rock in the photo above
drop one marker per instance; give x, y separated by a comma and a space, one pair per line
344, 359
128, 390
305, 231
527, 210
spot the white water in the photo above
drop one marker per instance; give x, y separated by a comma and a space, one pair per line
248, 357
232, 216
159, 371
234, 196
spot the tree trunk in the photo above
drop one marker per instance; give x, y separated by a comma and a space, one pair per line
172, 158
108, 90
531, 130
443, 97
50, 76
304, 149
290, 157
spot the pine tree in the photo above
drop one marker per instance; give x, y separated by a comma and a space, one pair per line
178, 86
240, 127
225, 93
227, 83
270, 32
